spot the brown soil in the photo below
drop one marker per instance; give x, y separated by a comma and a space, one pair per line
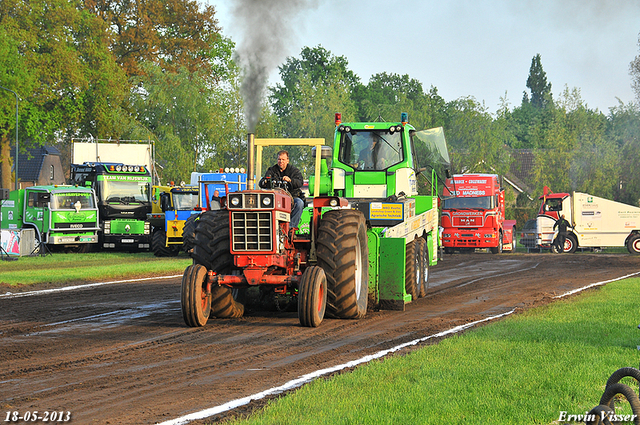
121, 354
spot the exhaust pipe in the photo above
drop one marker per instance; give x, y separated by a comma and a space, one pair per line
250, 160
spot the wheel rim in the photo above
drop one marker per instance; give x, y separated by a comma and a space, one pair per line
320, 298
418, 269
636, 245
359, 265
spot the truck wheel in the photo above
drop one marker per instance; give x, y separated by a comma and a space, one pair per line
570, 244
633, 244
312, 297
343, 254
196, 303
498, 249
211, 249
158, 241
189, 232
423, 269
412, 270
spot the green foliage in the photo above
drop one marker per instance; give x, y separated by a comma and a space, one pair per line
537, 83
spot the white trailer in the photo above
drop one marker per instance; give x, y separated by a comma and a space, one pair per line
595, 222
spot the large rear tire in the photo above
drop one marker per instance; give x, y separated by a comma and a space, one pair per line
343, 254
196, 303
412, 270
189, 232
158, 242
423, 270
312, 297
211, 249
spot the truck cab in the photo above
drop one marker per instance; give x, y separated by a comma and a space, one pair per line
62, 216
123, 194
473, 214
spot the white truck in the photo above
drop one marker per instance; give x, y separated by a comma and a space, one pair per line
595, 222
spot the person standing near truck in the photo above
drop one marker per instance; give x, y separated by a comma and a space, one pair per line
562, 225
292, 177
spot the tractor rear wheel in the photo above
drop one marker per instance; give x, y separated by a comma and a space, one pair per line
189, 232
312, 297
343, 254
211, 249
196, 303
158, 242
412, 270
423, 270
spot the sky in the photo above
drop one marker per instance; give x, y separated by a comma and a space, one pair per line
462, 47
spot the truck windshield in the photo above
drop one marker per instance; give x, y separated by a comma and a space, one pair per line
371, 149
124, 191
485, 202
185, 201
71, 201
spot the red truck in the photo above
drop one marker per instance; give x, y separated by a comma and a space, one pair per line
473, 215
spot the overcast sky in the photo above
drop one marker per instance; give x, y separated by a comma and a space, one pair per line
467, 47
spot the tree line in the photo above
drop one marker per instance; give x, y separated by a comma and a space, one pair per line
163, 70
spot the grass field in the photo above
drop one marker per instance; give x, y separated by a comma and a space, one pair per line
525, 369
63, 268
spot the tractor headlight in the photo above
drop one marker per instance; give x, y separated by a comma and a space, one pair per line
333, 202
267, 201
235, 200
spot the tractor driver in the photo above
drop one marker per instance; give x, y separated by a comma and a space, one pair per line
293, 181
372, 157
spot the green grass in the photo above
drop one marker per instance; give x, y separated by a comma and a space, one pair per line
525, 369
64, 268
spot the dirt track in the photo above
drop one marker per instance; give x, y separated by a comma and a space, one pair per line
121, 354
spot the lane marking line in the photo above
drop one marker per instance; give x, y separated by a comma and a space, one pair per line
595, 284
71, 288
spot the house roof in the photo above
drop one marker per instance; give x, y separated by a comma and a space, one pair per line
30, 161
522, 165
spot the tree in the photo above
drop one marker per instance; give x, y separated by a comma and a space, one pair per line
62, 69
320, 70
623, 133
168, 33
475, 143
314, 88
634, 71
537, 83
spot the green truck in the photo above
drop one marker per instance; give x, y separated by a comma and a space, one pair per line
366, 241
63, 217
123, 198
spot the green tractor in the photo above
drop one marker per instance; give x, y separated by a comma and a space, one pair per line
367, 240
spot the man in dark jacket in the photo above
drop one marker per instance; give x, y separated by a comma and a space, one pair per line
562, 225
283, 171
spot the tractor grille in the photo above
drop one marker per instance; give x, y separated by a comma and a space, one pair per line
251, 231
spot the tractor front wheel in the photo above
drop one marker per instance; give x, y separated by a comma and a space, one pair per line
312, 297
212, 250
196, 303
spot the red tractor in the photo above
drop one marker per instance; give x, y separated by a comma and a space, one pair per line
249, 243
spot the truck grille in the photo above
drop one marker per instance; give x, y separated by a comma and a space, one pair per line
251, 231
